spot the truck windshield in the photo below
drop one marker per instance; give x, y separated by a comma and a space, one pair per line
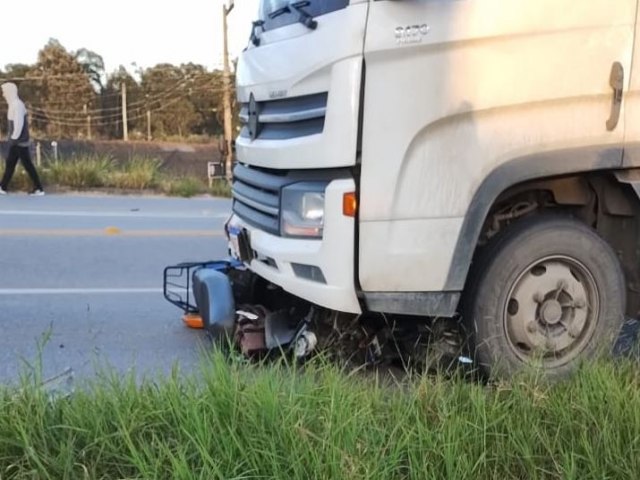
274, 13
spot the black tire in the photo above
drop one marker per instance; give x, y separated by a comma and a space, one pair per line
507, 329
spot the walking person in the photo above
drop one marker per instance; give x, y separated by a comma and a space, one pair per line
18, 141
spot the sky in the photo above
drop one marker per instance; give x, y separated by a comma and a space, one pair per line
132, 33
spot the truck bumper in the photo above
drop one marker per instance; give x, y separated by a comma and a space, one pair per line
319, 271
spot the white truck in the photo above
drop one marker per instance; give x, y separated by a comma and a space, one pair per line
471, 159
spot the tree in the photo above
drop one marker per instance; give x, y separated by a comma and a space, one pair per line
167, 89
93, 65
111, 104
65, 91
19, 74
206, 97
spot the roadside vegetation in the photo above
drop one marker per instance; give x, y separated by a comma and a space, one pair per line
236, 420
136, 174
70, 95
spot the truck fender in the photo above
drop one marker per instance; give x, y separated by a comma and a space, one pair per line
531, 167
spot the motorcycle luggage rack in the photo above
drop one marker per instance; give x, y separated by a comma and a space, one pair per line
178, 280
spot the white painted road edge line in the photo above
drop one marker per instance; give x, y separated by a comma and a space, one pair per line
76, 291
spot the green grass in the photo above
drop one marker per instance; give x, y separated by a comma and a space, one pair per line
234, 420
138, 173
220, 188
83, 172
21, 181
191, 186
184, 187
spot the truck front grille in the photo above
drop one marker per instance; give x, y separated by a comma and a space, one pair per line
284, 119
256, 197
256, 192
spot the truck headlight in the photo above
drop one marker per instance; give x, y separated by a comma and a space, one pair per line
303, 210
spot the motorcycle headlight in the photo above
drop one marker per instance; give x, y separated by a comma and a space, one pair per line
303, 210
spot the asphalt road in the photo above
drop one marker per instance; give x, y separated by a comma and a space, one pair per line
86, 273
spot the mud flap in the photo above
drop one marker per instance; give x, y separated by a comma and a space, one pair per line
214, 298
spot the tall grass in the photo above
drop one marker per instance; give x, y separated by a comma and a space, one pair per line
239, 421
190, 186
82, 171
138, 173
184, 187
21, 181
220, 188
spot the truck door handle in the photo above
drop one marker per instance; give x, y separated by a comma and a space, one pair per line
617, 83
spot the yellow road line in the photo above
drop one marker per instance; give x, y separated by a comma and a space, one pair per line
107, 232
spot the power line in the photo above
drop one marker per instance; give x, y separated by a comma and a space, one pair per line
141, 103
81, 123
43, 77
184, 85
149, 98
114, 112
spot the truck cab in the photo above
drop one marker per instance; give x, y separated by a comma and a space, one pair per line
469, 159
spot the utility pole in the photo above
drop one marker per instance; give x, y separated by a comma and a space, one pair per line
88, 122
148, 117
228, 121
125, 128
148, 125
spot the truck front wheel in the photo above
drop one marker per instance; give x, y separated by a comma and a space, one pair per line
548, 292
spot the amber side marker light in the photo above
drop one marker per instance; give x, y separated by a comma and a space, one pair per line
193, 320
349, 204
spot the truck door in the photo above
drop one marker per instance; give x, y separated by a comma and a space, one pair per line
631, 104
455, 89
